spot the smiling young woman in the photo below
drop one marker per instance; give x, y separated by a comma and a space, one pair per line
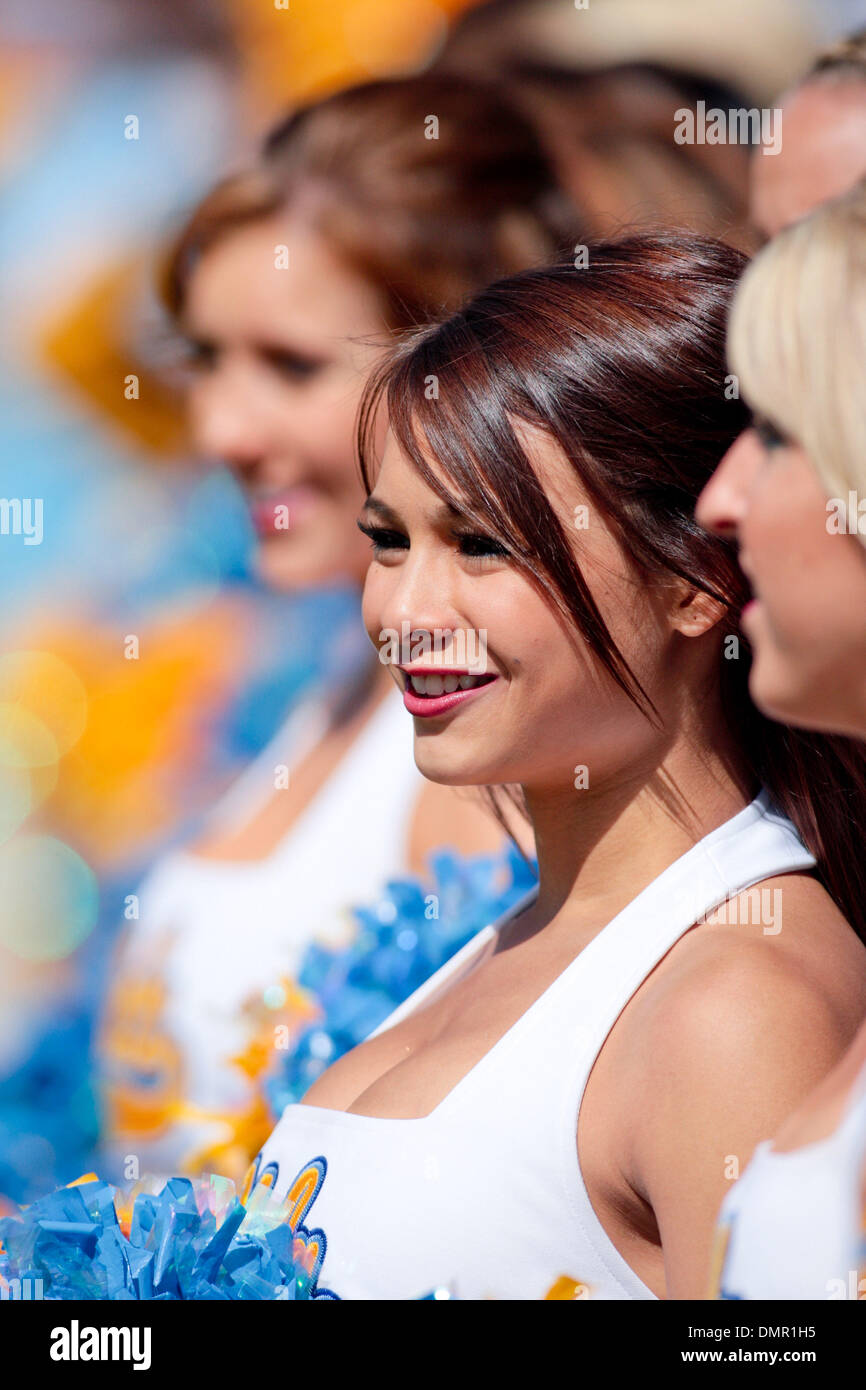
494, 1132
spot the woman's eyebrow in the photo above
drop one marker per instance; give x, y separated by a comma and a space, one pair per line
375, 504
443, 512
284, 348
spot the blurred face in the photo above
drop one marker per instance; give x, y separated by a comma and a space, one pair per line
807, 621
537, 704
823, 154
278, 373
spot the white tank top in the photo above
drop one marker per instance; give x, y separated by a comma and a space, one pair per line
792, 1226
207, 972
484, 1196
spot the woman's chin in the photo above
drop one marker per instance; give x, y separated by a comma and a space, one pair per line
288, 562
451, 771
794, 697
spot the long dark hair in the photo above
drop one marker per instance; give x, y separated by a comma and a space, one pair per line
622, 362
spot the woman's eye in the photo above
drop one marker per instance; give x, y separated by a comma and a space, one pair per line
477, 547
292, 365
471, 546
383, 539
769, 435
200, 357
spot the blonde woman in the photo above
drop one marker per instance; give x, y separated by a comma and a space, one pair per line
792, 491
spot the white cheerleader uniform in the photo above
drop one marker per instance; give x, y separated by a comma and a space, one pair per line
484, 1196
207, 973
792, 1227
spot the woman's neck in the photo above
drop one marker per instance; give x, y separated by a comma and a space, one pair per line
598, 847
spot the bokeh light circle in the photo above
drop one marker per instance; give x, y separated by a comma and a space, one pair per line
24, 739
49, 898
51, 705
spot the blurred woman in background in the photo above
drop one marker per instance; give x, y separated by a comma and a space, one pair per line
823, 151
372, 210
792, 492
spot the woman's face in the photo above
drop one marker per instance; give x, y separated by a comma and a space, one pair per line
807, 621
544, 706
278, 373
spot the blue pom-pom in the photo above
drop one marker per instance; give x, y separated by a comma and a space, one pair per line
191, 1240
402, 939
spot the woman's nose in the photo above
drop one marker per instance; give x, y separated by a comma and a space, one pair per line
223, 427
723, 502
419, 608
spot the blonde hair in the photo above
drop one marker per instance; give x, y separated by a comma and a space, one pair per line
797, 339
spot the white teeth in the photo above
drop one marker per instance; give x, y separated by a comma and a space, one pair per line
431, 685
428, 685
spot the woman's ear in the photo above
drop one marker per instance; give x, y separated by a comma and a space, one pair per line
696, 613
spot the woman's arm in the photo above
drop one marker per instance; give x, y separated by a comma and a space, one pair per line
824, 1107
738, 1038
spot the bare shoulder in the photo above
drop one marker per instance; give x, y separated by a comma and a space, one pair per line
762, 998
779, 953
739, 1022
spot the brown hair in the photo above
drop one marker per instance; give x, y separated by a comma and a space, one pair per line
843, 60
622, 362
609, 132
429, 187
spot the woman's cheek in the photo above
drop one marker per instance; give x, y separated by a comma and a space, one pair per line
374, 600
794, 571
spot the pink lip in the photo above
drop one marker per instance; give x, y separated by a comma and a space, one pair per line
298, 501
428, 706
